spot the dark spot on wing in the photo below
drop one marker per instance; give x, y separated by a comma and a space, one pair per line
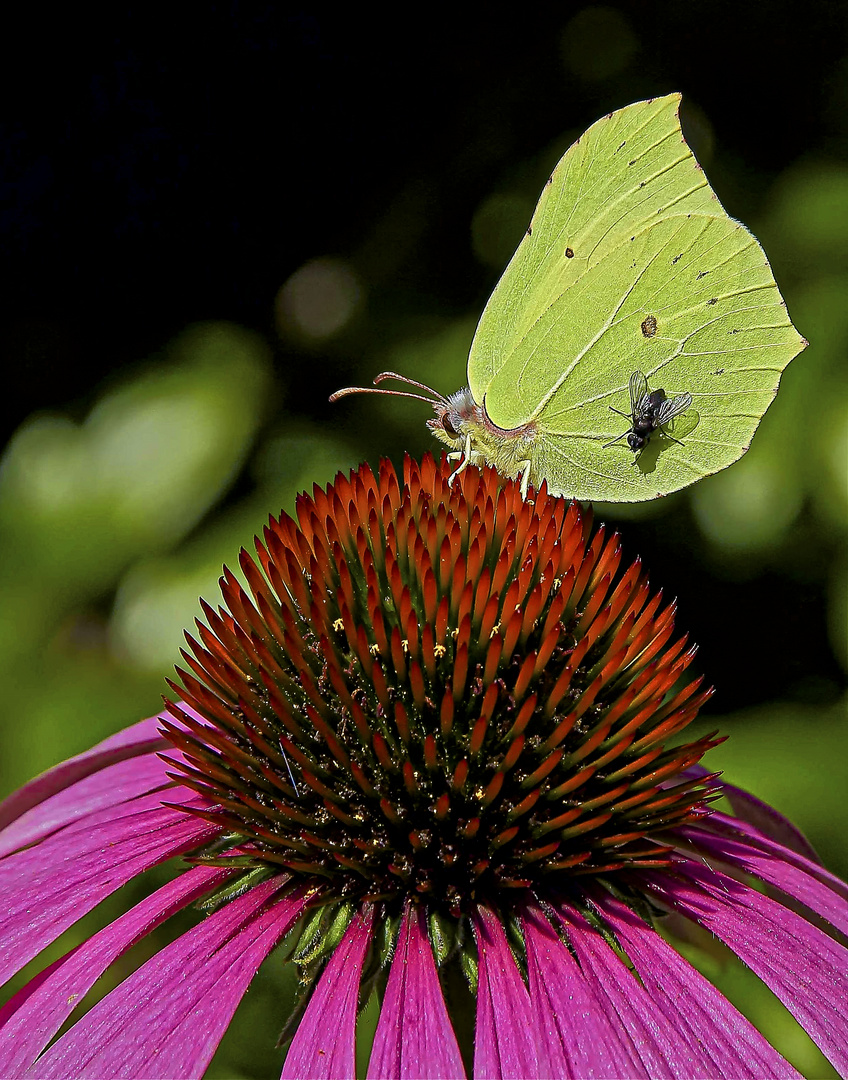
649, 325
677, 258
529, 230
622, 146
719, 371
713, 301
701, 273
569, 253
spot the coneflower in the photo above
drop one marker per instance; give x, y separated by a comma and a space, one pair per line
436, 743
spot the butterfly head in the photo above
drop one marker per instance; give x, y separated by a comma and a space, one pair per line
457, 415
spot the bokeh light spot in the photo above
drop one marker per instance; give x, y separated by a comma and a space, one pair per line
319, 299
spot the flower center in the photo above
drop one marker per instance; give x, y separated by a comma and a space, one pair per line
439, 690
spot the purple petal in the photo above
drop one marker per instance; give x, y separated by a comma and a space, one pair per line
108, 787
414, 1037
324, 1045
768, 821
742, 830
764, 817
805, 969
47, 888
33, 1016
141, 738
168, 1017
576, 1038
703, 1017
660, 1046
785, 875
503, 1040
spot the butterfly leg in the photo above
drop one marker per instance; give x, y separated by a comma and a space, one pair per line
524, 477
465, 459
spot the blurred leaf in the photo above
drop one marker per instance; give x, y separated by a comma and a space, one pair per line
80, 501
80, 504
158, 597
749, 507
808, 218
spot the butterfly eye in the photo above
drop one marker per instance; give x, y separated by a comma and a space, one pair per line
449, 428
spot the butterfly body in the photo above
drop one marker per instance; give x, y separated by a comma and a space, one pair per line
474, 439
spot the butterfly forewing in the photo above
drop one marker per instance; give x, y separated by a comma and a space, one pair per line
629, 170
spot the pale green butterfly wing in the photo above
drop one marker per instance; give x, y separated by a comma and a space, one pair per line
628, 229
625, 171
718, 330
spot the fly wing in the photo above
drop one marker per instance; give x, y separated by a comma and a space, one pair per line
638, 393
673, 407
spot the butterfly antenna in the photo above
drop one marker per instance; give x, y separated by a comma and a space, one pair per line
435, 398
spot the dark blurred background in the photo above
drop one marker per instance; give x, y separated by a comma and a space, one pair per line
212, 216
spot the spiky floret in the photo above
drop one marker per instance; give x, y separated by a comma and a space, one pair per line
440, 690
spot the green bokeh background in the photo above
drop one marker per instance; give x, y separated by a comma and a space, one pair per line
146, 467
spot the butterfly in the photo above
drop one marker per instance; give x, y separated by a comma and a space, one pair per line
630, 264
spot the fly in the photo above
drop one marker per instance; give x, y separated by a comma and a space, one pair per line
649, 412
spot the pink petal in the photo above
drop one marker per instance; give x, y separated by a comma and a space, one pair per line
168, 1017
786, 875
575, 1036
108, 787
504, 1045
806, 969
742, 830
701, 1015
768, 820
47, 888
121, 767
325, 1043
141, 738
764, 817
33, 1016
414, 1037
656, 1039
